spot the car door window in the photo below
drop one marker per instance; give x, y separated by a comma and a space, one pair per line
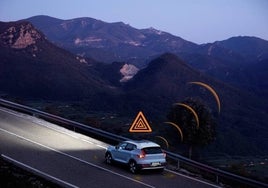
122, 145
130, 147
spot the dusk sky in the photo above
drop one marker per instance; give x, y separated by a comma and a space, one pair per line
199, 21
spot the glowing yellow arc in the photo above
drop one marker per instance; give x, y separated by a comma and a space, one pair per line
165, 140
192, 110
177, 127
212, 91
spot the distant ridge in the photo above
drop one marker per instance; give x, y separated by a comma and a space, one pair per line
108, 42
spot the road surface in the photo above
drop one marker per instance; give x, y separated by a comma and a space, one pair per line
72, 159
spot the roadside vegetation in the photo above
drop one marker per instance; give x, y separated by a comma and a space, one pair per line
14, 177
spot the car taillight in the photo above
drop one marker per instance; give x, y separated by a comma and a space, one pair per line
141, 155
164, 153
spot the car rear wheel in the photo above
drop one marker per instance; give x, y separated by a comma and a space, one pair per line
108, 158
133, 167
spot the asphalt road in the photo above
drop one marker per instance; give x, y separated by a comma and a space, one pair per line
71, 159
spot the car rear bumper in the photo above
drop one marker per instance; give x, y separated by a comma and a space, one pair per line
150, 166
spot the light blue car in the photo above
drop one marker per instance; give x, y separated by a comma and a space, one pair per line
138, 155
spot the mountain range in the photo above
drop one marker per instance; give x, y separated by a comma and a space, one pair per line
108, 42
44, 58
228, 60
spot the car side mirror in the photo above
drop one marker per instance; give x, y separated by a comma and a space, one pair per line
116, 147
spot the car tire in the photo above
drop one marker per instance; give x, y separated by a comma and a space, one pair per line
133, 167
108, 158
161, 170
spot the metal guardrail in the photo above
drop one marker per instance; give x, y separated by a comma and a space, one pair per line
218, 172
180, 159
57, 119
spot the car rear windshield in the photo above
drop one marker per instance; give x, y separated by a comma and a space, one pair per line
152, 150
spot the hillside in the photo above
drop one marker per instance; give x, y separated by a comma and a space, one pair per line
238, 61
250, 48
33, 67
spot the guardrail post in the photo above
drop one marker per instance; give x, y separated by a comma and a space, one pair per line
217, 178
178, 165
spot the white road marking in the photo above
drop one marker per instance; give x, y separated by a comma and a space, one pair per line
75, 158
43, 174
101, 146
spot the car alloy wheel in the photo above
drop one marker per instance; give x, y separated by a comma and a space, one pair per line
133, 167
108, 158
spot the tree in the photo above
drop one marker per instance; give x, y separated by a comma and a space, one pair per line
194, 135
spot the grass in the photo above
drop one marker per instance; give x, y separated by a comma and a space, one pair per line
255, 167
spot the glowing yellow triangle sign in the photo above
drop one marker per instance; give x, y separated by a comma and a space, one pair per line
140, 124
